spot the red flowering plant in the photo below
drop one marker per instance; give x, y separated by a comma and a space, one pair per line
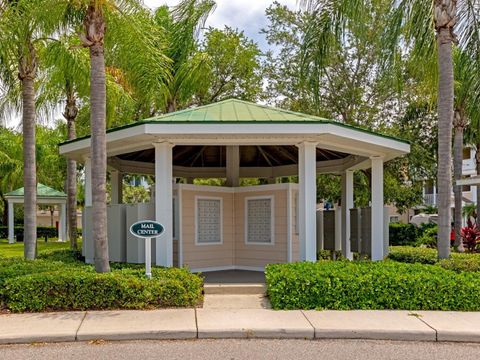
471, 236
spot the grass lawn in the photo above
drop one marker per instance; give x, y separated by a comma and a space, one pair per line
16, 250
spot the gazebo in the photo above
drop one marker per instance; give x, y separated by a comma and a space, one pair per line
236, 227
46, 196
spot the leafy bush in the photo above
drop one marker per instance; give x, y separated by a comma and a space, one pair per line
42, 231
428, 235
64, 255
403, 234
410, 254
457, 262
344, 285
462, 263
50, 284
470, 236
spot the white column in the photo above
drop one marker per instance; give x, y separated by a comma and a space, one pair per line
423, 192
233, 165
116, 179
62, 223
347, 204
163, 202
88, 182
307, 168
377, 208
434, 193
11, 225
474, 193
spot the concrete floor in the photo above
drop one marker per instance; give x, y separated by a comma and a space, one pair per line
236, 302
234, 277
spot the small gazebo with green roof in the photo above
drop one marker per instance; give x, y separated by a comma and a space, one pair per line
236, 227
45, 195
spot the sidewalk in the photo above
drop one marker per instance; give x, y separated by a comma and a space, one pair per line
239, 323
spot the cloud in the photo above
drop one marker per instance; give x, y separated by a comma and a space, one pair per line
246, 15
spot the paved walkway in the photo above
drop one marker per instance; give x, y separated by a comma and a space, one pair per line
211, 322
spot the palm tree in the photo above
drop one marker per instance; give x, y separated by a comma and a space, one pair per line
137, 40
467, 93
23, 26
65, 79
190, 67
425, 28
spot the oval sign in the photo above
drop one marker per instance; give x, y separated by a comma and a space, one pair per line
147, 229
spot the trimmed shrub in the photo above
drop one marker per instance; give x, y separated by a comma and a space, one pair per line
64, 255
402, 234
409, 254
42, 231
344, 285
462, 263
49, 284
82, 290
458, 262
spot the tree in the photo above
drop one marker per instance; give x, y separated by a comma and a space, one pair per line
11, 165
126, 18
416, 21
24, 25
50, 165
233, 64
412, 25
188, 74
353, 87
65, 79
467, 94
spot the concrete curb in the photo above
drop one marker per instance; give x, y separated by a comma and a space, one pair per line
239, 323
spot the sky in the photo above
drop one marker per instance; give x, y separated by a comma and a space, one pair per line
246, 15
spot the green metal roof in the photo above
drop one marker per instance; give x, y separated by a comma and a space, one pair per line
42, 191
233, 110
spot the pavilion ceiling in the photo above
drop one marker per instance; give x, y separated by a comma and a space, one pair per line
215, 156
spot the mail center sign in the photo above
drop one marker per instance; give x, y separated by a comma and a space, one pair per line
147, 229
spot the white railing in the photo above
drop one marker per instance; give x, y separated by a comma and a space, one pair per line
430, 199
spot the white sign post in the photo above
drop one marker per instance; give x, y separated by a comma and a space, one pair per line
147, 229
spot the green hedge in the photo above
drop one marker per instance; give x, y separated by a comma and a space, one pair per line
457, 262
402, 234
410, 254
48, 284
42, 231
345, 285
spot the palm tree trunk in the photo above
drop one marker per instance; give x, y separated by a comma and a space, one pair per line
5, 210
70, 115
459, 124
445, 120
27, 72
94, 33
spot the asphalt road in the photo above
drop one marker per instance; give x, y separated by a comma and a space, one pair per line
244, 349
